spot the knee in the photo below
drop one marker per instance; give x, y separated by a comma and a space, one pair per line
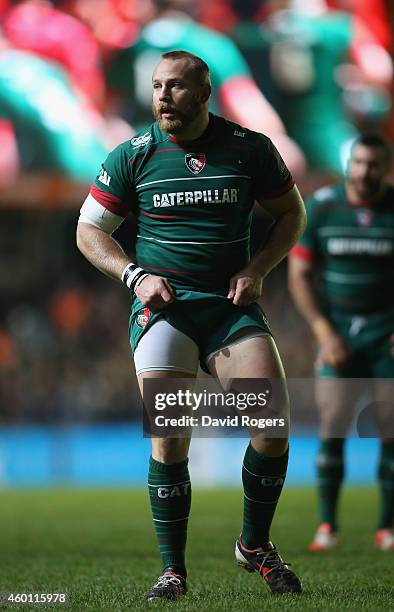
270, 447
335, 419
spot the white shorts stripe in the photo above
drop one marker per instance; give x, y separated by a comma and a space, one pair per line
163, 347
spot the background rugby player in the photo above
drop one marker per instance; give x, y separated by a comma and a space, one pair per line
350, 241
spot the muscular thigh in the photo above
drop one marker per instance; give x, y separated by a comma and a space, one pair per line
337, 392
384, 407
336, 398
252, 357
257, 358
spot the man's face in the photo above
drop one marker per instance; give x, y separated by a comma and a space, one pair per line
367, 170
177, 97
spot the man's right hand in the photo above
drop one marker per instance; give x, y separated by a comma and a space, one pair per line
155, 292
333, 350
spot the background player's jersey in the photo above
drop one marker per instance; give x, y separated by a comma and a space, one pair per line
193, 201
308, 98
353, 247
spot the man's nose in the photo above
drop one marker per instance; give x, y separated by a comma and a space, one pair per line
164, 93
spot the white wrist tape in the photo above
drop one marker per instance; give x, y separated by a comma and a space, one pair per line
130, 273
141, 278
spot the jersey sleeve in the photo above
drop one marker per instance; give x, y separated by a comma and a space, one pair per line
272, 178
307, 247
113, 186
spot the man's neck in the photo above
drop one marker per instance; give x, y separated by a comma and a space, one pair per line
193, 131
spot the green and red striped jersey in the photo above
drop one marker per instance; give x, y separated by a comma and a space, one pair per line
352, 247
193, 200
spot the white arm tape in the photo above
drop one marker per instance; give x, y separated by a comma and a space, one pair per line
139, 280
128, 280
94, 213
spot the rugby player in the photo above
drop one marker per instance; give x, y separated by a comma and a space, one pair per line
349, 241
191, 180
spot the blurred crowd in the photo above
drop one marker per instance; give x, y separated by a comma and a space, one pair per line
75, 81
75, 75
62, 358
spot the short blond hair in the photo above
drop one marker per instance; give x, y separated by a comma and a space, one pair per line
200, 68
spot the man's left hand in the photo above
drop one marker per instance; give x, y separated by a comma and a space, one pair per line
245, 288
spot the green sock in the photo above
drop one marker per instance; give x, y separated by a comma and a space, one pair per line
170, 498
263, 479
386, 484
330, 475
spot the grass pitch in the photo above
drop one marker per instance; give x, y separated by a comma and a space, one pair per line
99, 546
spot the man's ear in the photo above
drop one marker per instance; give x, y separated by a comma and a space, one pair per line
205, 94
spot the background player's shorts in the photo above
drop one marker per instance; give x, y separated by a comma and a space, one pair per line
368, 337
209, 319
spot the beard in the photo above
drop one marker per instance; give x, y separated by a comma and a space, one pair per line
366, 189
181, 120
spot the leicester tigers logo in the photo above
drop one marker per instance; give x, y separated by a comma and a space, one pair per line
195, 162
143, 318
364, 217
